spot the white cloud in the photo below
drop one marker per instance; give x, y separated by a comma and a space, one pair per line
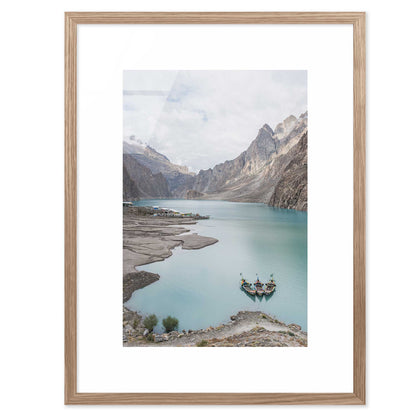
201, 118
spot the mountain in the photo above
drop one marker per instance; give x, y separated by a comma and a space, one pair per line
178, 177
140, 182
252, 176
272, 170
291, 191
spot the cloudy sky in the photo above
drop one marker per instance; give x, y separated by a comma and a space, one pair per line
201, 118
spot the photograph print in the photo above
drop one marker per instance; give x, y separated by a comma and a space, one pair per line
215, 208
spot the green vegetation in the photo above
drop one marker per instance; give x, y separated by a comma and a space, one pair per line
291, 333
135, 323
202, 343
170, 323
150, 322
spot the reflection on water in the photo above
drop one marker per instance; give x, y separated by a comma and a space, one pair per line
201, 287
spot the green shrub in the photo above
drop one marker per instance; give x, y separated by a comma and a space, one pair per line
202, 343
170, 323
150, 322
135, 323
291, 333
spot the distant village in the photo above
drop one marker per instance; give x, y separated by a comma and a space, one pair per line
157, 211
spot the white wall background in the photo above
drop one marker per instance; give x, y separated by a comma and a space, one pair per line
31, 229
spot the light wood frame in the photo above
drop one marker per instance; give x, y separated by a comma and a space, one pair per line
72, 19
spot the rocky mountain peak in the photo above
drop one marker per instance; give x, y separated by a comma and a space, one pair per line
263, 145
267, 128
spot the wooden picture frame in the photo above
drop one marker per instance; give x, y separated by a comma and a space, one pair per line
72, 20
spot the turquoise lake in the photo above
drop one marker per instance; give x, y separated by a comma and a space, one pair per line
202, 287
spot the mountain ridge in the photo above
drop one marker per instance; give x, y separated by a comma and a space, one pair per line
255, 175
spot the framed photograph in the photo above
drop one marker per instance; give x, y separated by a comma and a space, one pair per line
215, 208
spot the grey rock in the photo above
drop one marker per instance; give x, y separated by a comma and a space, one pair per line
160, 338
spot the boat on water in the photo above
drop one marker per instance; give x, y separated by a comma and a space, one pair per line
246, 286
270, 286
259, 287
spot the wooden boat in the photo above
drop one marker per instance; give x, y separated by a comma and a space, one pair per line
270, 286
246, 286
259, 287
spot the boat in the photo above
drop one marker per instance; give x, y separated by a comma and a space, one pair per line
246, 286
259, 287
270, 286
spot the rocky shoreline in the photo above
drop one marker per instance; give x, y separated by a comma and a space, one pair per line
245, 329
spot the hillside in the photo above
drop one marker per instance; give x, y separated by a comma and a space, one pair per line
139, 181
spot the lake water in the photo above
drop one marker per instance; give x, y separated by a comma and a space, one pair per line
201, 287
